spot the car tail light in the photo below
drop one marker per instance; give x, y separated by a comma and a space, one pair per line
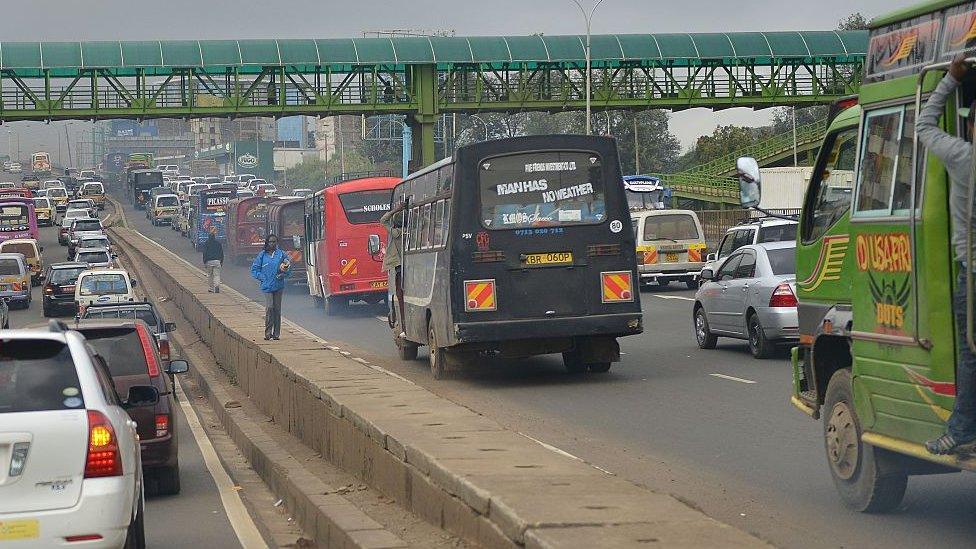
164, 349
147, 348
162, 424
104, 458
782, 297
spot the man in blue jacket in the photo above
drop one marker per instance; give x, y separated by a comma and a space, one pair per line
270, 268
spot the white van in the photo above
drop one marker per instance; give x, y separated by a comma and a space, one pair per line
670, 246
103, 286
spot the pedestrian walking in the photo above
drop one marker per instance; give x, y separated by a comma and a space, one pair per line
213, 259
270, 268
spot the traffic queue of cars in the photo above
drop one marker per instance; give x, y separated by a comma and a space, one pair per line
87, 407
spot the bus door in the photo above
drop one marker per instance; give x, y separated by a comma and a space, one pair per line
542, 217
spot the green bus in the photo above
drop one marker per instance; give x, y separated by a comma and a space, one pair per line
876, 270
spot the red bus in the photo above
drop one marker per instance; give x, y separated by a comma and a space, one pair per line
339, 222
286, 219
246, 220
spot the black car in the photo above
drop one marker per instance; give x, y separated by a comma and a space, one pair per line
141, 310
59, 288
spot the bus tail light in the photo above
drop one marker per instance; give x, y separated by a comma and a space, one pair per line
782, 296
603, 249
479, 295
488, 257
618, 286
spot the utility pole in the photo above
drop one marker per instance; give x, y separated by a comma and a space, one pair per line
589, 77
795, 163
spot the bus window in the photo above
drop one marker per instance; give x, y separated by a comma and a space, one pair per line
438, 236
363, 207
884, 187
572, 194
412, 229
14, 215
425, 227
830, 190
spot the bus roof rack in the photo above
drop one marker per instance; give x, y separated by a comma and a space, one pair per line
350, 176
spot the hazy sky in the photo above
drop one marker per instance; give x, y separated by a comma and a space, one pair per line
69, 20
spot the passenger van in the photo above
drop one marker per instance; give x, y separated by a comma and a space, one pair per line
32, 254
670, 246
246, 219
517, 247
95, 191
15, 284
339, 221
103, 286
286, 219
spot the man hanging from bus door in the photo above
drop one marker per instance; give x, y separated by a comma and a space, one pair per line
956, 155
393, 258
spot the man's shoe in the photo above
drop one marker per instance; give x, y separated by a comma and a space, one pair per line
266, 338
217, 290
948, 444
276, 338
209, 291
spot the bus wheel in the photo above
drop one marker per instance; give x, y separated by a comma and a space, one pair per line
868, 478
573, 362
436, 353
599, 367
335, 305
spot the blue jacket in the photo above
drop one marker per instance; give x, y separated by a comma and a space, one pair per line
266, 269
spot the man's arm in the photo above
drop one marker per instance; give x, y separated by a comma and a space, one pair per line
256, 267
949, 148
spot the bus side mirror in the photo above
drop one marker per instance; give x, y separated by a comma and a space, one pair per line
374, 244
750, 182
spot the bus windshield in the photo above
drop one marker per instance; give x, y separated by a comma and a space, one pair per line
670, 227
366, 206
542, 189
14, 215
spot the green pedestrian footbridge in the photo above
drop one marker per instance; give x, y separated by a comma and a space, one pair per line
424, 77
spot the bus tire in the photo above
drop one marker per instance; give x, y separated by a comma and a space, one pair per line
334, 305
573, 362
599, 367
437, 356
867, 478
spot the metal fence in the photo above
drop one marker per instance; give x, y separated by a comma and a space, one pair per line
716, 222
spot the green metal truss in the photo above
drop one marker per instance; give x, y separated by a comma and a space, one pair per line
424, 78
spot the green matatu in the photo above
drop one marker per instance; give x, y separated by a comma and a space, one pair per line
877, 353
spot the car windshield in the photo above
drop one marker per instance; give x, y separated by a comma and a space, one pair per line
104, 283
9, 267
65, 276
94, 242
18, 248
92, 257
88, 225
542, 189
777, 233
120, 347
142, 313
782, 261
671, 227
14, 215
37, 375
165, 201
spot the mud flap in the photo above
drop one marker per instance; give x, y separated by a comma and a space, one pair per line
599, 349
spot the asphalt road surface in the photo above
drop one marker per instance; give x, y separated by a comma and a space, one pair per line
714, 428
194, 518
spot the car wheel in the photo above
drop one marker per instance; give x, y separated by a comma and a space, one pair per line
706, 339
46, 311
135, 536
758, 344
168, 481
867, 478
599, 367
436, 353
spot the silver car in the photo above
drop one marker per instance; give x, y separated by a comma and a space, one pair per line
95, 257
752, 296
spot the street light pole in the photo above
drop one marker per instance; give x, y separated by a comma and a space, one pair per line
588, 18
483, 123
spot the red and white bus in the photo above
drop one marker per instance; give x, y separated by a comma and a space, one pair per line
338, 223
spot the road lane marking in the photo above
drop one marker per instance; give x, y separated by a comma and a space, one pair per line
240, 520
681, 297
733, 378
563, 453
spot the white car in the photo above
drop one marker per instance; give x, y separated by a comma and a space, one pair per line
15, 167
96, 258
104, 286
72, 471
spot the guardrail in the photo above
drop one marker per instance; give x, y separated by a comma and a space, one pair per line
775, 145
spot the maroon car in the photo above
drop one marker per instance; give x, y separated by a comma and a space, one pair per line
130, 350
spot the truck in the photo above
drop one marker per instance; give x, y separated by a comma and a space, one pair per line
783, 188
877, 275
41, 163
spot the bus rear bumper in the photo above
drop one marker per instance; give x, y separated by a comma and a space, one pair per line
620, 324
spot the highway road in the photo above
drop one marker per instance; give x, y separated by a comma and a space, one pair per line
194, 518
714, 428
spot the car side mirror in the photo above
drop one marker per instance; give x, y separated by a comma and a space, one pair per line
750, 182
135, 283
373, 246
711, 257
42, 249
116, 256
178, 367
141, 395
169, 327
707, 274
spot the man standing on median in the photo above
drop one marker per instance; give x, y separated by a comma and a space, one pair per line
213, 258
270, 268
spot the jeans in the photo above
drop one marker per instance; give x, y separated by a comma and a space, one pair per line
962, 422
272, 314
213, 273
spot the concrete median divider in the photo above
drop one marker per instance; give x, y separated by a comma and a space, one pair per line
445, 463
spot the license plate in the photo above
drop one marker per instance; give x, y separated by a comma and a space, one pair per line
11, 530
671, 258
552, 258
381, 285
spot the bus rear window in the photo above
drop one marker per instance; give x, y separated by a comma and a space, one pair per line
542, 189
671, 227
13, 215
366, 206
